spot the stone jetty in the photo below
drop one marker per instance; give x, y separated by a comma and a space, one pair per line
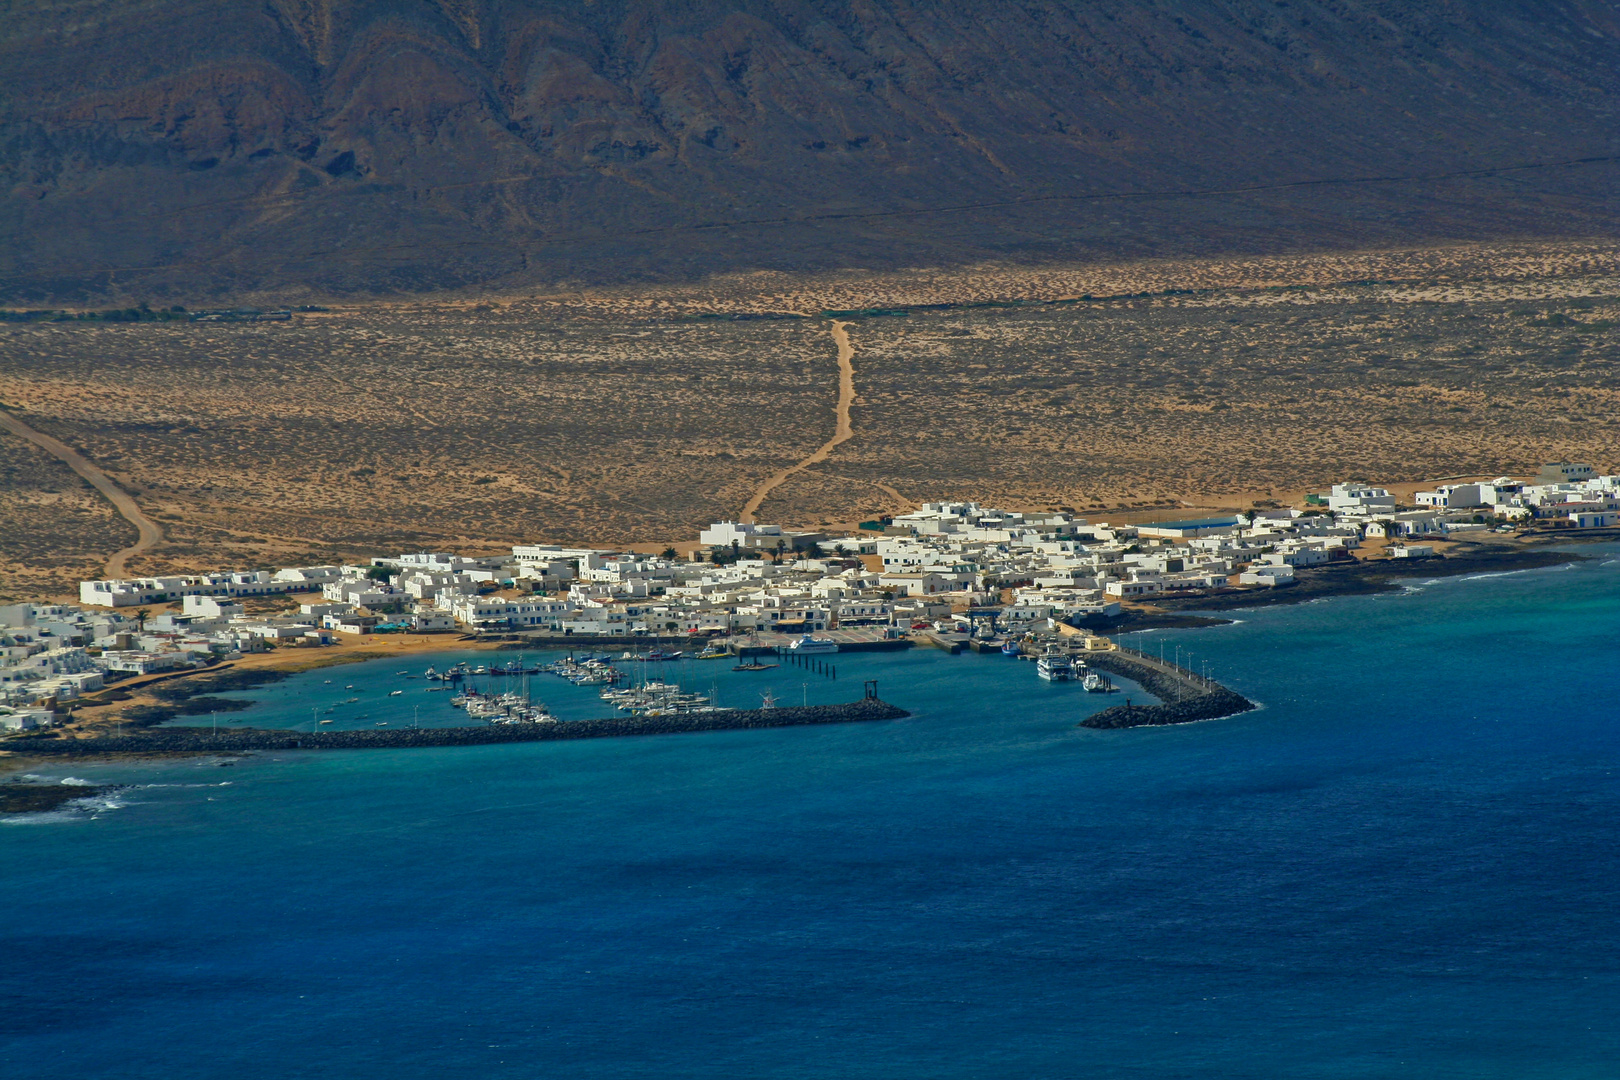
188, 740
1186, 697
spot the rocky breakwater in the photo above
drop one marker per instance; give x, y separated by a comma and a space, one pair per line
1186, 697
180, 740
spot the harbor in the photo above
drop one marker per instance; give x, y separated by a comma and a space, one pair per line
437, 699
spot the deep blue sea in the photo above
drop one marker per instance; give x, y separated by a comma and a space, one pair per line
1407, 864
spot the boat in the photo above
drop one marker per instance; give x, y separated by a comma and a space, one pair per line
350, 701
752, 667
326, 721
395, 693
814, 646
1055, 666
1097, 683
1011, 647
713, 652
432, 673
401, 673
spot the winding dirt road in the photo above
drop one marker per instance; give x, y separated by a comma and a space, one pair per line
150, 535
846, 398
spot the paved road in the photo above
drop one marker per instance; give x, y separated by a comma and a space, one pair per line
150, 535
841, 433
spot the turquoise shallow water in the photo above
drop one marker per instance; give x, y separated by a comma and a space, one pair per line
1404, 865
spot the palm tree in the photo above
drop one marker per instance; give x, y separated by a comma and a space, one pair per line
141, 615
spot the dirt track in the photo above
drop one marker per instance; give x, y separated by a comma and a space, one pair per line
841, 433
150, 535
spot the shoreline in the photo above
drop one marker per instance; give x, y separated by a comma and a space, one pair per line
134, 703
1366, 577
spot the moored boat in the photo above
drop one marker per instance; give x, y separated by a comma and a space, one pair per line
1055, 666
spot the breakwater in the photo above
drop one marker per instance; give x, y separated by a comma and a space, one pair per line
1186, 697
180, 740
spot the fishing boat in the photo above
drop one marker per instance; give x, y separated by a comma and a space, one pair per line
1011, 647
1055, 666
1097, 683
813, 646
432, 673
713, 652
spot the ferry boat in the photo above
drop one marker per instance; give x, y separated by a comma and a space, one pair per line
814, 646
1055, 666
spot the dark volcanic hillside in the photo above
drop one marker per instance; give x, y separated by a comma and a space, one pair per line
188, 149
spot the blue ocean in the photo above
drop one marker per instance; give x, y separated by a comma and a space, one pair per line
1406, 864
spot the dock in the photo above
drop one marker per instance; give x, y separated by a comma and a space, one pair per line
189, 740
1186, 697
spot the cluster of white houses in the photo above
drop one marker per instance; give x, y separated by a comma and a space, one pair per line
907, 571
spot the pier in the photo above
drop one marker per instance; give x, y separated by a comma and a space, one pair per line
187, 740
1186, 696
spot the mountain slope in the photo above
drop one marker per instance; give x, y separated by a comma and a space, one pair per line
190, 149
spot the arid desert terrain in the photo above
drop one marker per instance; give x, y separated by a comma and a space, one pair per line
636, 415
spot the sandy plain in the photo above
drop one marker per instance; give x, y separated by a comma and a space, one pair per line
623, 416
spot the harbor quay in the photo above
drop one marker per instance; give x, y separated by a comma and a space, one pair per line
180, 740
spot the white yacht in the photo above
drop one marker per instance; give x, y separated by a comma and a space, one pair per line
814, 646
1055, 666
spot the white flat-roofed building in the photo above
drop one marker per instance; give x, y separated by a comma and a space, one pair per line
140, 592
1458, 496
1360, 498
1269, 575
488, 612
139, 662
